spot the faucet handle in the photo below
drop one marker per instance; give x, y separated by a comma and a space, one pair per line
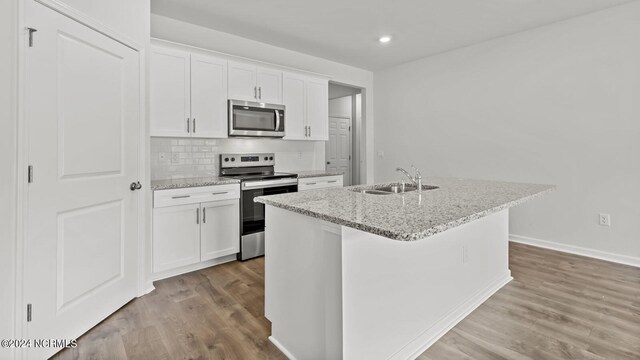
418, 175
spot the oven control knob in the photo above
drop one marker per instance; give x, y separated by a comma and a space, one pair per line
266, 158
226, 159
233, 159
271, 158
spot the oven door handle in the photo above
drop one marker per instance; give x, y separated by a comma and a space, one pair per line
268, 183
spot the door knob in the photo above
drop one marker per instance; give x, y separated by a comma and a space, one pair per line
135, 186
328, 162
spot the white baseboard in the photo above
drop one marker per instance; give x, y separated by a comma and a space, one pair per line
577, 250
281, 347
433, 334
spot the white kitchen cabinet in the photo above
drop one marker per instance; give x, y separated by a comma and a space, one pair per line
208, 96
220, 230
176, 236
293, 98
193, 226
188, 94
320, 182
317, 108
254, 83
170, 86
307, 107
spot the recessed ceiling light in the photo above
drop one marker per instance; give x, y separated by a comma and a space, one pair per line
385, 39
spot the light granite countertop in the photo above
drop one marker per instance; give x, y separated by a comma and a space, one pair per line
191, 182
409, 216
315, 173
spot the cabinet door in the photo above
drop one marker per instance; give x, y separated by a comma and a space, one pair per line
176, 236
293, 98
169, 92
242, 82
269, 85
220, 234
208, 96
317, 99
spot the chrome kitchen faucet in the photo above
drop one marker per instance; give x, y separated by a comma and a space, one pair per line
416, 180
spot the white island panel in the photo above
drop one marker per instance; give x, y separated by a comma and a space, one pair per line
334, 292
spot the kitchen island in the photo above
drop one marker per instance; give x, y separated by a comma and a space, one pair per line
351, 274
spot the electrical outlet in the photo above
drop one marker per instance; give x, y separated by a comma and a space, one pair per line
299, 154
162, 156
605, 219
175, 158
380, 153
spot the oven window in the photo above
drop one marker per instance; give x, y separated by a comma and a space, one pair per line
254, 119
253, 212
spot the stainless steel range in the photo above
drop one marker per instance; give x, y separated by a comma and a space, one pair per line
257, 178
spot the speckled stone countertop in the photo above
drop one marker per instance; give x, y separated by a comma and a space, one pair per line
191, 182
315, 173
409, 216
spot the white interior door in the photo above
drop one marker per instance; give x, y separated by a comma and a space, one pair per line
82, 117
169, 88
338, 148
208, 96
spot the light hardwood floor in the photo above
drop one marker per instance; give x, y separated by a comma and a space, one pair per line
559, 306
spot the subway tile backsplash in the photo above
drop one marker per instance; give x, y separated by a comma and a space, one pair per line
177, 158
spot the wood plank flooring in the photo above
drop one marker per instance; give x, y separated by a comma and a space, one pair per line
559, 306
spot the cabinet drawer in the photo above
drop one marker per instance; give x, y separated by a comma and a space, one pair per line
193, 195
321, 182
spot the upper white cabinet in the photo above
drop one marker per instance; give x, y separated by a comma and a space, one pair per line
307, 107
170, 92
208, 96
254, 83
317, 95
293, 98
188, 94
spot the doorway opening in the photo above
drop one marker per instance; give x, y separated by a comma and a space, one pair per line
344, 150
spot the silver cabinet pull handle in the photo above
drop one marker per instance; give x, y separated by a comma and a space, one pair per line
220, 193
311, 183
188, 128
260, 92
194, 125
198, 216
255, 92
204, 215
180, 196
309, 130
333, 181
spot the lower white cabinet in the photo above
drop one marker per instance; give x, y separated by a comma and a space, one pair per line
320, 182
176, 237
219, 232
194, 225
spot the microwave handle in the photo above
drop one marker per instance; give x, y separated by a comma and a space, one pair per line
277, 120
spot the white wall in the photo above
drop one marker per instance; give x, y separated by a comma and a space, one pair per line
189, 34
8, 54
558, 104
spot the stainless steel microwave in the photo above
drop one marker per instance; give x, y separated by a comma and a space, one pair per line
248, 118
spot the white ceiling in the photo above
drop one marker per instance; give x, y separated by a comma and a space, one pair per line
346, 31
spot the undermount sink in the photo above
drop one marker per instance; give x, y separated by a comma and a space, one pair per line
392, 189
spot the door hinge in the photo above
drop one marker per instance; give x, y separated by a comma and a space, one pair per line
31, 31
349, 157
349, 128
28, 312
30, 174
